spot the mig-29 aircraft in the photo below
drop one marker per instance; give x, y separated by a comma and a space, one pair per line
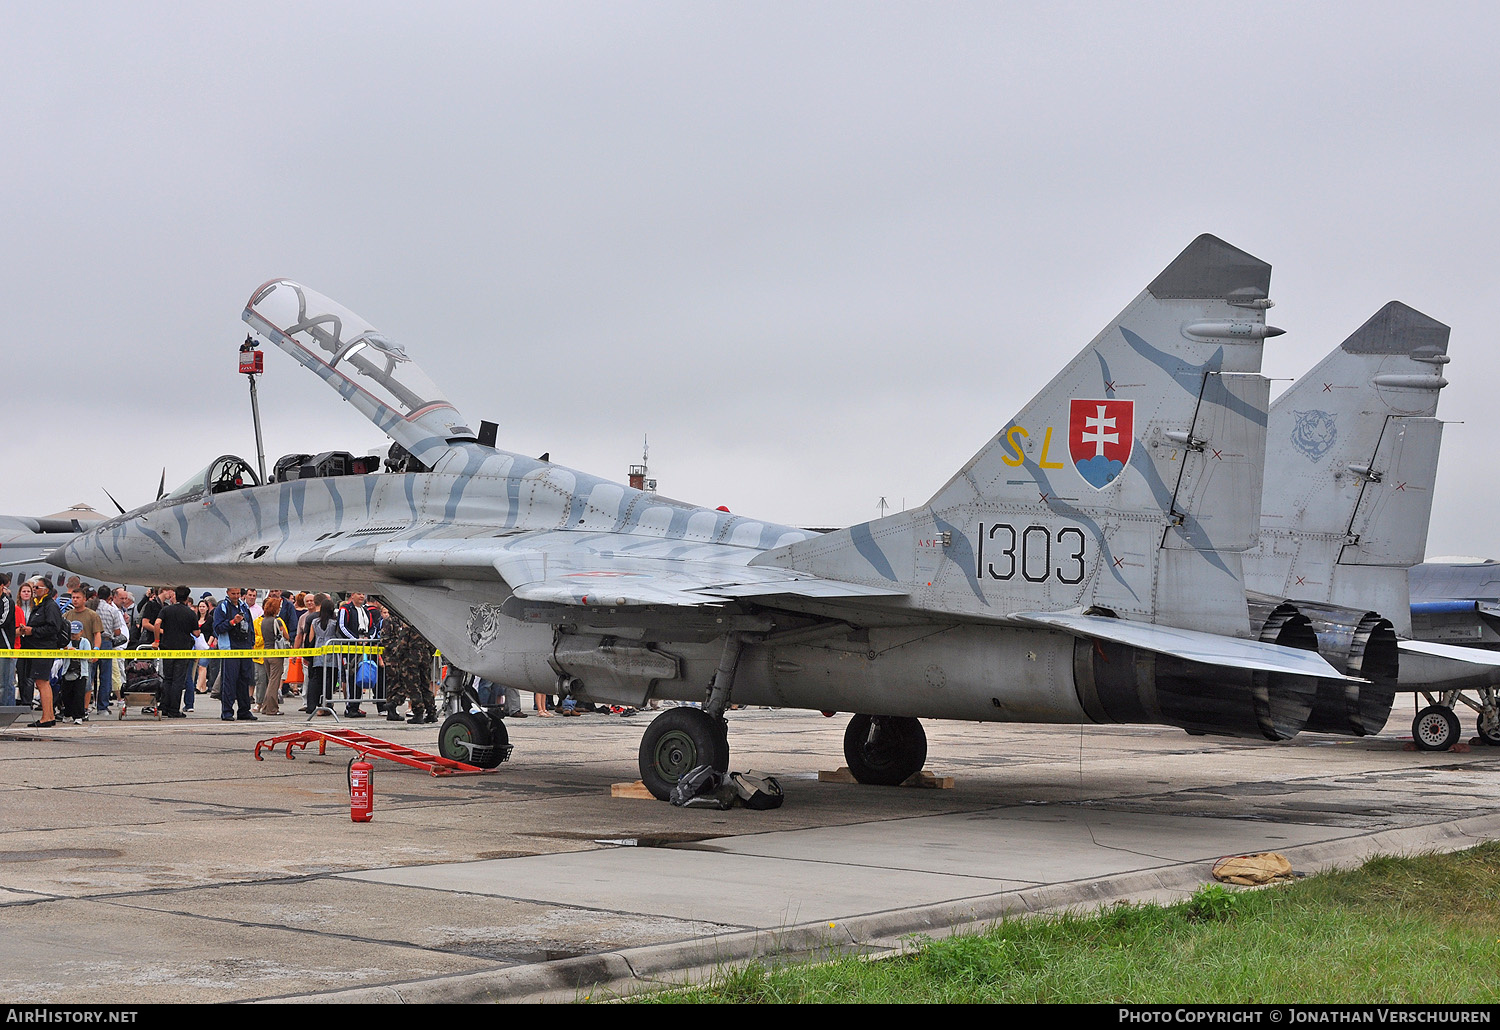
1351, 463
26, 543
1083, 567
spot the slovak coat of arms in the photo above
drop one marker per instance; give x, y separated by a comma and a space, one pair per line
1100, 438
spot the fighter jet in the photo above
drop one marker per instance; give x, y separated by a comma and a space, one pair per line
26, 543
1083, 567
1457, 600
1351, 462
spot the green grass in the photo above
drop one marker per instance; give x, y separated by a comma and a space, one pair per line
1398, 930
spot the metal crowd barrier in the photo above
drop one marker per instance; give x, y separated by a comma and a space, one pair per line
343, 672
338, 677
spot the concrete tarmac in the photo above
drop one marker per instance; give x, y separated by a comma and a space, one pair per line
145, 861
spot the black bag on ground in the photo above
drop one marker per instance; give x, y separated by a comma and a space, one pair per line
700, 787
757, 790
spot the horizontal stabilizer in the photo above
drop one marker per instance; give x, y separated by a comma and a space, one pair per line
1190, 645
1455, 652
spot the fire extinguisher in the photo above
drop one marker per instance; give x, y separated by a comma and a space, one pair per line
361, 790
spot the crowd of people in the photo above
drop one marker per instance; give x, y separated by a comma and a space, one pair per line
43, 615
73, 615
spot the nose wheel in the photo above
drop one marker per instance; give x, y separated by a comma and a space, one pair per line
1435, 728
474, 739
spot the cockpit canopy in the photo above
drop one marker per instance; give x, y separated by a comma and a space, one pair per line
368, 369
223, 474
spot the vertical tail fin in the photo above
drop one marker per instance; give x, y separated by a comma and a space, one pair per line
1351, 461
1131, 481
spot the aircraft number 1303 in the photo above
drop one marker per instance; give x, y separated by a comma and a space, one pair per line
1031, 552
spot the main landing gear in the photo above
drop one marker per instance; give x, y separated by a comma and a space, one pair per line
880, 749
886, 750
1436, 727
680, 739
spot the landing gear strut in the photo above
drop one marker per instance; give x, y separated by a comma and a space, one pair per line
884, 749
1487, 722
681, 739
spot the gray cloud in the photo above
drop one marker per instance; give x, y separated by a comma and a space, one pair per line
819, 252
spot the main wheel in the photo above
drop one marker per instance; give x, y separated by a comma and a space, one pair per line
1491, 738
1435, 729
470, 739
678, 740
884, 749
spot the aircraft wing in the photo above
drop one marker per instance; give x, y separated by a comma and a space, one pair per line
564, 569
1191, 645
1456, 652
582, 578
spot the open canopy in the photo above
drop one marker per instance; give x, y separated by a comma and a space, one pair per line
368, 369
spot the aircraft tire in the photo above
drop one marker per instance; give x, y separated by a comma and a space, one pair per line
677, 741
1492, 739
884, 750
1435, 728
464, 729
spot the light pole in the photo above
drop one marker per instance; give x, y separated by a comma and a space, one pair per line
252, 363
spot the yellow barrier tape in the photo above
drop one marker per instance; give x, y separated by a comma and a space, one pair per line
289, 652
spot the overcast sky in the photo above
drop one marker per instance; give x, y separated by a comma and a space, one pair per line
818, 252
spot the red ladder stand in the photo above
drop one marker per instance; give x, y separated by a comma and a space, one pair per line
368, 747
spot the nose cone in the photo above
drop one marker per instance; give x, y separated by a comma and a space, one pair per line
59, 557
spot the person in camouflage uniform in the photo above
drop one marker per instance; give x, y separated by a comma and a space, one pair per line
408, 669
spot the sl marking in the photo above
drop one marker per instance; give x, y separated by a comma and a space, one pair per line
1218, 454
1018, 459
1109, 384
1119, 563
1327, 387
1400, 487
1042, 498
1302, 581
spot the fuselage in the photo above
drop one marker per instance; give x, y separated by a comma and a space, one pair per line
422, 539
